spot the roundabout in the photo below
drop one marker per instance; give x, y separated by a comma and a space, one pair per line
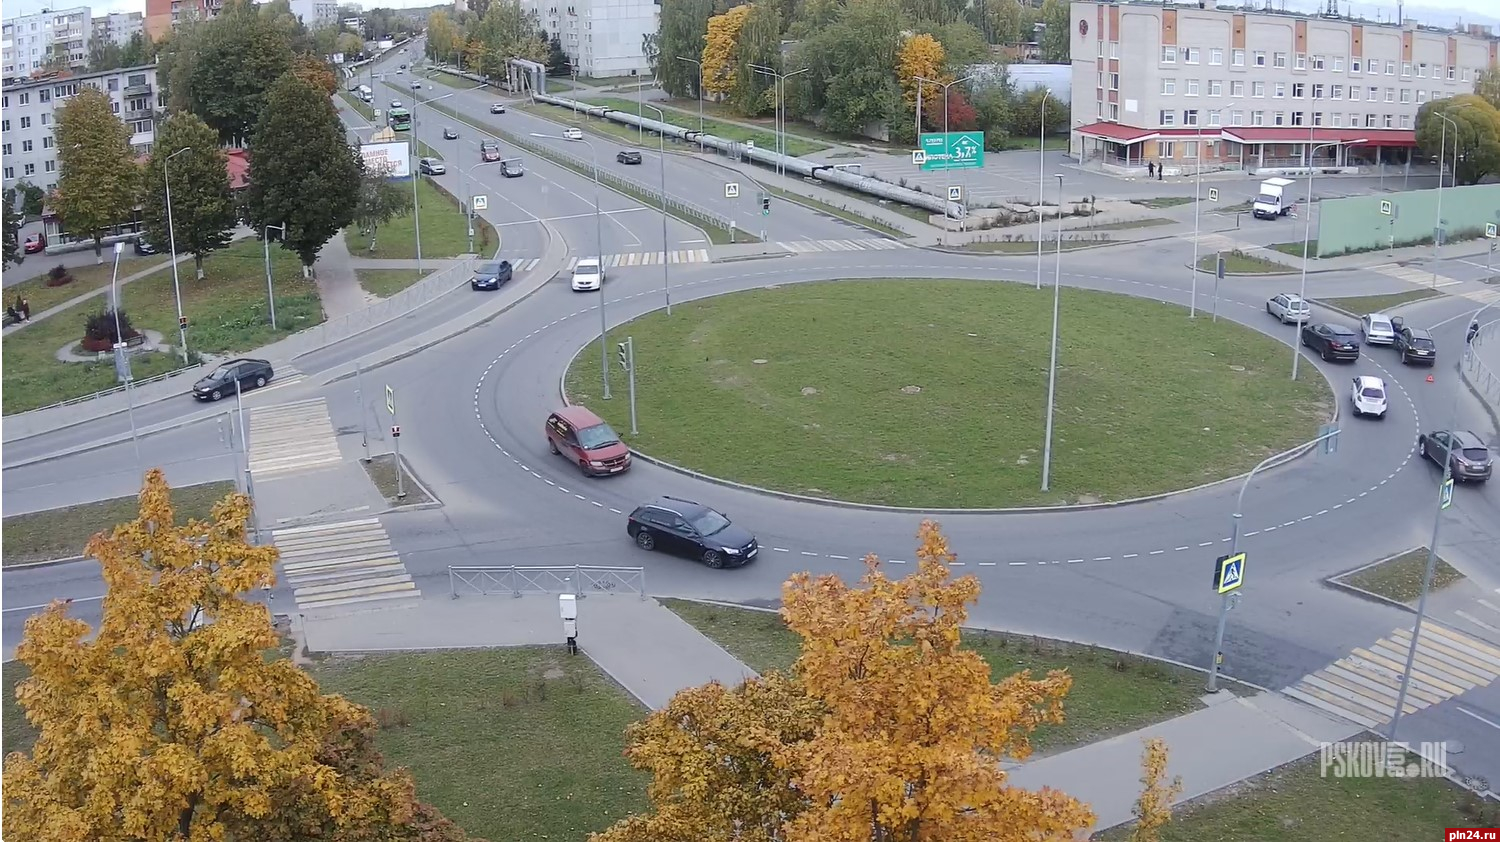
931, 394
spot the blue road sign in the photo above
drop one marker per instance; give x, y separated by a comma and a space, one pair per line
1447, 496
1229, 572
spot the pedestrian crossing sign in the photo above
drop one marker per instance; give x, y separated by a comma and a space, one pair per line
1229, 572
1446, 498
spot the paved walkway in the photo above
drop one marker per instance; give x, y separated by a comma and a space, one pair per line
103, 290
338, 285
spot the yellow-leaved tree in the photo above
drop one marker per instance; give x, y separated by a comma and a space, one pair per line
719, 49
922, 57
1153, 809
172, 723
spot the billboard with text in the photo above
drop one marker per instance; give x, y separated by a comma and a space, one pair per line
391, 158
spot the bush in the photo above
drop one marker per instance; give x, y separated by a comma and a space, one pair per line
100, 327
59, 276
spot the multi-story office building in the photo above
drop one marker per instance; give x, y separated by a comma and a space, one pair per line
29, 112
27, 42
602, 38
162, 15
118, 27
315, 14
1258, 88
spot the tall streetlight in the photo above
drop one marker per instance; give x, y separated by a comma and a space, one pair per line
700, 95
1197, 206
947, 169
1438, 225
121, 353
265, 237
469, 200
1041, 184
779, 89
1307, 237
599, 250
172, 244
661, 144
416, 203
1052, 366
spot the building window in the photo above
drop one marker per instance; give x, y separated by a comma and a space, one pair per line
1317, 62
1390, 68
1317, 118
1279, 60
140, 126
1237, 58
25, 99
25, 146
1390, 94
1114, 111
1301, 62
1389, 121
44, 96
1260, 58
114, 83
5, 150
46, 118
1279, 92
1192, 87
1354, 120
1257, 118
1317, 92
1237, 88
1215, 87
50, 167
1213, 118
1338, 64
1258, 89
1167, 118
10, 172
1336, 91
30, 169
1168, 87
1190, 149
1450, 74
1369, 121
1422, 71
4, 125
1114, 49
1191, 55
1216, 56
1278, 119
1354, 65
1354, 93
1421, 96
1405, 95
1296, 118
1338, 118
1190, 117
1236, 118
1168, 55
1373, 95
47, 142
25, 122
1405, 70
1164, 149
1299, 90
1405, 121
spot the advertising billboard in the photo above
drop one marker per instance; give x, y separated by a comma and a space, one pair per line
392, 158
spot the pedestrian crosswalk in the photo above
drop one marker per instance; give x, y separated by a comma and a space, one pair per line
336, 565
292, 437
1413, 275
1214, 242
648, 258
658, 258
1363, 687
873, 244
1483, 296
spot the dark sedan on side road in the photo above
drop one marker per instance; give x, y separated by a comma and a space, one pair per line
1471, 460
221, 382
491, 276
1332, 342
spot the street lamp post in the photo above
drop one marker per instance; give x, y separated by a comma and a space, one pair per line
700, 95
1041, 186
416, 204
1052, 366
1307, 238
947, 170
599, 250
120, 353
270, 290
1197, 206
661, 145
172, 244
778, 86
1437, 230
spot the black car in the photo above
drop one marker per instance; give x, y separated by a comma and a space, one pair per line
691, 529
450, 133
511, 168
1415, 345
627, 156
1332, 342
143, 248
497, 108
220, 383
1471, 461
491, 276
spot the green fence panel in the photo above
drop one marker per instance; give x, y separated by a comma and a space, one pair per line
1357, 223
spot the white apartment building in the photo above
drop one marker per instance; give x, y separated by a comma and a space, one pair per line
602, 38
1259, 88
118, 27
316, 13
28, 115
27, 41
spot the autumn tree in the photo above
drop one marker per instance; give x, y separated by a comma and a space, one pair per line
10, 227
508, 31
98, 175
443, 37
718, 50
1153, 809
758, 43
922, 58
316, 72
203, 212
1472, 138
170, 723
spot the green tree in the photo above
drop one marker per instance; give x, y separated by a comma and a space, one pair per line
244, 51
105, 55
138, 51
379, 201
177, 60
1056, 43
852, 68
1009, 21
34, 198
303, 174
98, 175
11, 223
963, 45
557, 57
684, 23
203, 212
443, 37
509, 31
1487, 85
1028, 116
350, 45
994, 105
759, 43
1473, 137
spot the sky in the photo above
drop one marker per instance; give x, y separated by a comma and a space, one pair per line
100, 7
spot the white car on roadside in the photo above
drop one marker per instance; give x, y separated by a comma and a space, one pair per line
1289, 308
588, 275
1368, 395
573, 133
1378, 329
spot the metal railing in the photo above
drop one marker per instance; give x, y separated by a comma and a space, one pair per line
117, 390
579, 580
1480, 376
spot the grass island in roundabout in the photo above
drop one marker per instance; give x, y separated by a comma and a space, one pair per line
932, 393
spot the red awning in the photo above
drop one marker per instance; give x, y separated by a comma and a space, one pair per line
1322, 134
1120, 133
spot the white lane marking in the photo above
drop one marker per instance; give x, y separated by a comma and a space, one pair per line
45, 604
1472, 714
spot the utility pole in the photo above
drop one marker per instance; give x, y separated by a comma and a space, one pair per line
627, 362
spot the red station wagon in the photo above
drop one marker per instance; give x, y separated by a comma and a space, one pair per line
585, 439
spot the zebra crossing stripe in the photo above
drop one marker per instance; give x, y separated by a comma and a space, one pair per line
292, 437
343, 564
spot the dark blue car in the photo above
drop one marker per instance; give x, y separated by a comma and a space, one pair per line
491, 276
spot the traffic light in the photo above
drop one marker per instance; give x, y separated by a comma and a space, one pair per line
182, 322
624, 355
765, 204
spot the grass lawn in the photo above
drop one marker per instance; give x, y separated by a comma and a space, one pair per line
1052, 143
1026, 246
624, 134
1400, 578
85, 279
1161, 202
448, 79
795, 146
226, 313
1295, 249
1361, 304
802, 129
443, 232
425, 151
843, 212
512, 744
1297, 804
386, 282
360, 106
1240, 263
382, 472
62, 533
1112, 693
1243, 207
1149, 222
812, 382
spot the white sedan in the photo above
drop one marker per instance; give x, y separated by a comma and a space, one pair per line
1378, 329
588, 275
1368, 395
573, 133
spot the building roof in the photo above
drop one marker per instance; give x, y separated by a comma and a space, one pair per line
26, 83
238, 164
1121, 133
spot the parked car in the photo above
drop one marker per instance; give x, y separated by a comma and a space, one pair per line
1289, 308
1368, 396
431, 166
450, 133
489, 151
143, 248
572, 133
628, 156
588, 275
691, 529
220, 383
497, 108
511, 168
587, 441
35, 243
1332, 342
1377, 329
1415, 345
491, 276
1471, 460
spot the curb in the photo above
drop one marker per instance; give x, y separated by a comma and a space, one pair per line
1333, 581
1291, 456
434, 502
743, 258
51, 562
1045, 251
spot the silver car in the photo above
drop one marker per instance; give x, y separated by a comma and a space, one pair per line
1289, 308
1378, 329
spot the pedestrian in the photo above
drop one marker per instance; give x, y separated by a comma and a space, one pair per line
25, 310
1151, 169
1159, 172
10, 312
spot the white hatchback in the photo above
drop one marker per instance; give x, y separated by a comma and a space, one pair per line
588, 276
1378, 329
573, 133
1368, 395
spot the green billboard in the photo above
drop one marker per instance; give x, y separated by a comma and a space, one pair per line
952, 151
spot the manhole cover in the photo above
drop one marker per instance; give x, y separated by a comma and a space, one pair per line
808, 390
760, 362
910, 390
